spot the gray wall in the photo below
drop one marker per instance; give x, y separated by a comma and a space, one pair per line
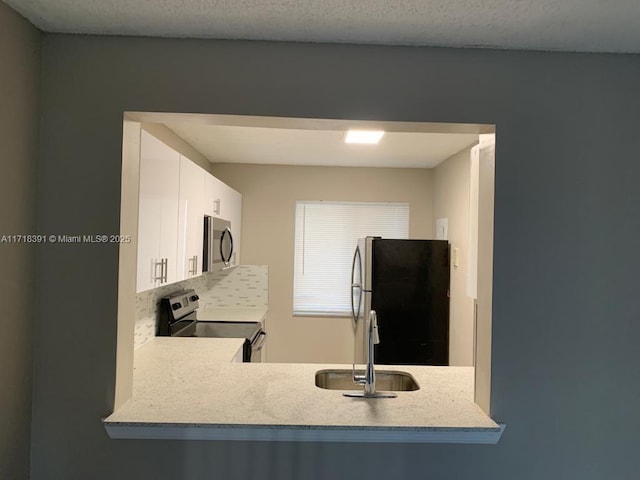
19, 93
565, 357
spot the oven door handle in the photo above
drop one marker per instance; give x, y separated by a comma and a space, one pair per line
183, 328
262, 339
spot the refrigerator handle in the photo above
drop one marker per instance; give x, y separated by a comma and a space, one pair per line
353, 310
356, 311
356, 256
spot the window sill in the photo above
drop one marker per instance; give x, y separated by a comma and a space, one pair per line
321, 314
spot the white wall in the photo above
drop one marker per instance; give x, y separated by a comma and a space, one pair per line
269, 193
19, 95
484, 301
451, 201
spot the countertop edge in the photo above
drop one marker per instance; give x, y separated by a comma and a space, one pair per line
303, 433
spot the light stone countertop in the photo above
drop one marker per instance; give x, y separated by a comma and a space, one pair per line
160, 352
182, 390
232, 314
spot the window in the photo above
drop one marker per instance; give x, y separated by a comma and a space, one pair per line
326, 235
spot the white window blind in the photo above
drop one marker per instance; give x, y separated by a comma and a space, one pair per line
326, 235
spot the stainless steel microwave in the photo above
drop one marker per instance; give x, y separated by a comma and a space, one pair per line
218, 244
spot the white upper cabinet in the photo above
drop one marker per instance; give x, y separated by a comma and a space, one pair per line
214, 190
190, 218
158, 213
222, 201
231, 203
175, 195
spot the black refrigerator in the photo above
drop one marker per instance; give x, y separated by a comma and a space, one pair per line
406, 282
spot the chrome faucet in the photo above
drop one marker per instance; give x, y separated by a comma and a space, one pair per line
369, 377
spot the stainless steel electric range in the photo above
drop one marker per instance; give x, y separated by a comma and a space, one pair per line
178, 318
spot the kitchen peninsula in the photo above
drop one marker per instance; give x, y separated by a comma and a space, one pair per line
183, 391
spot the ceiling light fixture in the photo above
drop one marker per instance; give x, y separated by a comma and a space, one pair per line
369, 137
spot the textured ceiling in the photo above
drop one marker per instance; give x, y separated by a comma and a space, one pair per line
562, 25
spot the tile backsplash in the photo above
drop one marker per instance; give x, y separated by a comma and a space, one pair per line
244, 286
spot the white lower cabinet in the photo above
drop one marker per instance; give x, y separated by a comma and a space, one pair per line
157, 213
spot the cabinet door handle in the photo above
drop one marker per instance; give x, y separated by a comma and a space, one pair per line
165, 270
155, 277
193, 266
216, 206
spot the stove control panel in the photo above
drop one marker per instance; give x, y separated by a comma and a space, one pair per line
178, 307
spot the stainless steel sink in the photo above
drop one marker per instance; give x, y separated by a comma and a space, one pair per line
386, 380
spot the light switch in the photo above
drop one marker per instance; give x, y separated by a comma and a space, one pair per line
455, 257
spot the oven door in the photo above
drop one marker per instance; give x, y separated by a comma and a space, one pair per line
255, 337
217, 244
185, 327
